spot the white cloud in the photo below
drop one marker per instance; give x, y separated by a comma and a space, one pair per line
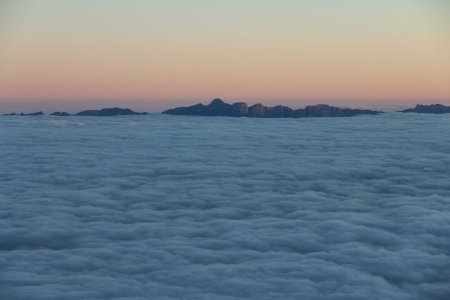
166, 207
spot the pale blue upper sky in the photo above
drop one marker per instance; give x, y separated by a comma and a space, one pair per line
202, 49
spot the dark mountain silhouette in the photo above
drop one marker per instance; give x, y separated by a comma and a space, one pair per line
240, 109
428, 109
39, 113
106, 112
60, 114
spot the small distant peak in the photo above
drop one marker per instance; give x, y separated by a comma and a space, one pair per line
112, 111
429, 109
60, 114
114, 108
430, 105
217, 101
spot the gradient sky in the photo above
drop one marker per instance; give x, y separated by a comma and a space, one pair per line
359, 50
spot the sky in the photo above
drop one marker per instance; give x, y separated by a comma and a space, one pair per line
352, 52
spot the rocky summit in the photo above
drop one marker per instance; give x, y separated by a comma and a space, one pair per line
428, 109
60, 114
106, 112
39, 113
240, 109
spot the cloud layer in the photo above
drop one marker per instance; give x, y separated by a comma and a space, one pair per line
170, 207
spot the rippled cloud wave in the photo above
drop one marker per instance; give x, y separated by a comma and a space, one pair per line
169, 207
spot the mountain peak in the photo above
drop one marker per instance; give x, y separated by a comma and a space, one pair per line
217, 101
428, 109
240, 109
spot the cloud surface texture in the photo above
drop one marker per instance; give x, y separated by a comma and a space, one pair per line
174, 207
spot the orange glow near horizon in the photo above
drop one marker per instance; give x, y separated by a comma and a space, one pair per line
266, 49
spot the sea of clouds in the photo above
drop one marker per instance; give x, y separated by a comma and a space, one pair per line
173, 207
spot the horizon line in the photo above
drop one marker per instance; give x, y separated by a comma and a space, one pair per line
68, 98
158, 105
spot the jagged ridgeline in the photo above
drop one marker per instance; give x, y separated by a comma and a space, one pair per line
240, 109
104, 112
428, 109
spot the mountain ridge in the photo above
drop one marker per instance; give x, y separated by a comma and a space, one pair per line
428, 109
217, 107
